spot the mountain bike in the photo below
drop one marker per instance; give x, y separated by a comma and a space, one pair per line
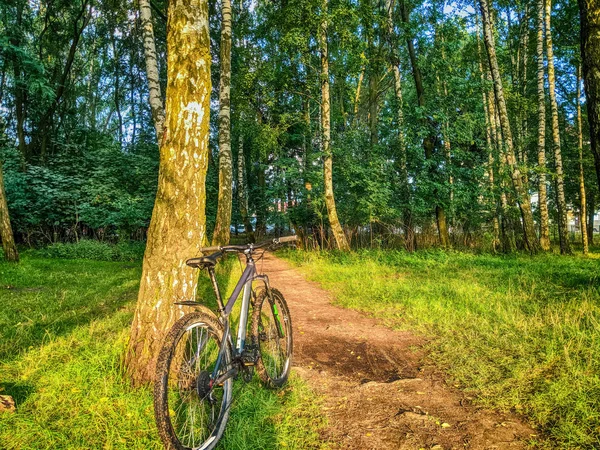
198, 361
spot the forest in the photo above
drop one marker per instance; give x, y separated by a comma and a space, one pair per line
422, 152
449, 151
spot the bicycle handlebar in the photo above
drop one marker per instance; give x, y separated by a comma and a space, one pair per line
243, 248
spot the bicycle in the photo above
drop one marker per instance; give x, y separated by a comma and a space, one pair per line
198, 362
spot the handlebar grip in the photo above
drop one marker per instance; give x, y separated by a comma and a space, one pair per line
281, 240
214, 248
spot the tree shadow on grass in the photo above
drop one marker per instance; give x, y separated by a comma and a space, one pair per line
19, 391
44, 299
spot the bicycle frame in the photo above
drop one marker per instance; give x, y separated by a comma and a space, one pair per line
245, 282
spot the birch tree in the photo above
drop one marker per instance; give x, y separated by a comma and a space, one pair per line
177, 227
530, 238
156, 102
223, 221
563, 232
334, 222
541, 140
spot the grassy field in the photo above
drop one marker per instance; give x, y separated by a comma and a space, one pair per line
521, 333
63, 330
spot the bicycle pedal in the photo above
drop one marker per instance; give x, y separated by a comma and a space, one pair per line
250, 355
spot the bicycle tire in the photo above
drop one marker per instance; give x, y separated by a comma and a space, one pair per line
180, 382
275, 348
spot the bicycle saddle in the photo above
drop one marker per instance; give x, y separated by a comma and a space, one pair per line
204, 262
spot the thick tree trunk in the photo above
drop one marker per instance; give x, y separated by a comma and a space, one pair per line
8, 242
242, 192
156, 102
334, 222
410, 241
530, 238
582, 203
563, 231
590, 55
541, 141
223, 221
177, 228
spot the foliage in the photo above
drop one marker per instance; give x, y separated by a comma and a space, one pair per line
522, 333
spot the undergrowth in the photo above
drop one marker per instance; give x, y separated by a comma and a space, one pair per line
520, 332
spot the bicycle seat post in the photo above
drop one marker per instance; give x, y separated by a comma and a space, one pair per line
213, 279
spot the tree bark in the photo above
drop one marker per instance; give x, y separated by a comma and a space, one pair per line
563, 231
490, 138
8, 242
530, 238
223, 220
582, 203
541, 141
152, 74
177, 228
590, 55
334, 222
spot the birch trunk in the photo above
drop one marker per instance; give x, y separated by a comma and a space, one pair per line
334, 222
590, 55
489, 138
582, 208
8, 242
410, 241
530, 238
223, 220
177, 228
541, 140
563, 231
156, 102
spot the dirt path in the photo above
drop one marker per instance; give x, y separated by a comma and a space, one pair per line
378, 395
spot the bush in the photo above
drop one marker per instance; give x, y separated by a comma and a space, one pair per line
95, 250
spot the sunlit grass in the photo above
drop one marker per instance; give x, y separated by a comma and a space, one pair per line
64, 326
520, 332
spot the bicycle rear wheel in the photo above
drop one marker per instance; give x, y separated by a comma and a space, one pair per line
272, 332
190, 412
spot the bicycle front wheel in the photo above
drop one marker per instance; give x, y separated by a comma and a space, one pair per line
191, 412
272, 332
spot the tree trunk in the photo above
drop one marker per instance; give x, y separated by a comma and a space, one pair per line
177, 228
334, 222
582, 204
590, 55
489, 138
156, 102
529, 235
8, 242
541, 141
223, 220
590, 225
563, 231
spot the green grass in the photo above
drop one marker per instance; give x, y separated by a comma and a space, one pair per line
521, 333
63, 329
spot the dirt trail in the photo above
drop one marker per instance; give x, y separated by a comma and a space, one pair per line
378, 394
